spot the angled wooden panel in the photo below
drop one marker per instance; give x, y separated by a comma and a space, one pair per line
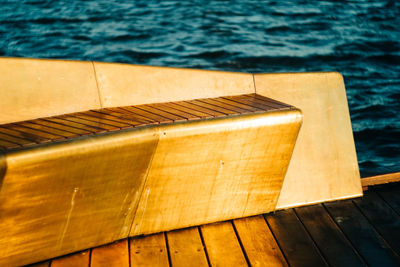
33, 88
149, 251
70, 196
222, 245
258, 242
80, 259
185, 247
213, 170
116, 254
324, 164
123, 85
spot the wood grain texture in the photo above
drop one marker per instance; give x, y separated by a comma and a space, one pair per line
324, 165
371, 246
149, 251
214, 170
115, 254
186, 248
294, 240
258, 242
67, 197
336, 249
33, 88
124, 85
381, 179
80, 259
222, 245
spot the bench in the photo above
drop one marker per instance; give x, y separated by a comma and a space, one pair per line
83, 179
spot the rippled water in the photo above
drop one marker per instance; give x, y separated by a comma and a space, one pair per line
360, 39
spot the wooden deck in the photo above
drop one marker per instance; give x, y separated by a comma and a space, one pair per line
358, 232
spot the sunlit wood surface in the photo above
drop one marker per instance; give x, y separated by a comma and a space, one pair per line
358, 232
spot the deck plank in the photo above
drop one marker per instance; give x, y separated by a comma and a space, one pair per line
383, 217
80, 259
258, 242
336, 249
222, 245
371, 246
149, 251
392, 196
294, 240
115, 254
185, 247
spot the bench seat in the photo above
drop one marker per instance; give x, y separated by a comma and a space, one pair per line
74, 181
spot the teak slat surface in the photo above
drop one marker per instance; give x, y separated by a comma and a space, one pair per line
77, 260
69, 126
116, 254
149, 251
185, 248
223, 247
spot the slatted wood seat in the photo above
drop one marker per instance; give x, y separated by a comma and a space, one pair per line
66, 127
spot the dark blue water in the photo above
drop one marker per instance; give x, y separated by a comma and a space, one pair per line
360, 39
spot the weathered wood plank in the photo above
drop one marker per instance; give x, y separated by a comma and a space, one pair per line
371, 246
258, 242
336, 249
382, 217
381, 179
149, 251
297, 246
222, 245
80, 259
392, 196
116, 254
186, 248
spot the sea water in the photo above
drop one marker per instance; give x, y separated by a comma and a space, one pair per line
360, 39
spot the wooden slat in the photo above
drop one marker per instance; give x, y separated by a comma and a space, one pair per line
144, 115
189, 110
293, 239
100, 125
16, 140
149, 251
175, 111
11, 130
61, 127
261, 100
222, 245
235, 109
185, 247
209, 111
73, 124
116, 254
270, 100
250, 102
48, 129
40, 264
125, 114
36, 132
382, 217
77, 260
8, 144
336, 249
362, 235
168, 115
126, 121
381, 179
258, 242
392, 196
212, 107
238, 104
102, 120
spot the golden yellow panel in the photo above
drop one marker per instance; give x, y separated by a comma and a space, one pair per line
33, 88
214, 170
66, 197
324, 165
122, 84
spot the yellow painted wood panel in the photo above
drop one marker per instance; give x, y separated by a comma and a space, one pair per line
116, 254
222, 245
186, 248
58, 199
80, 259
258, 242
324, 165
33, 88
214, 170
123, 84
149, 251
